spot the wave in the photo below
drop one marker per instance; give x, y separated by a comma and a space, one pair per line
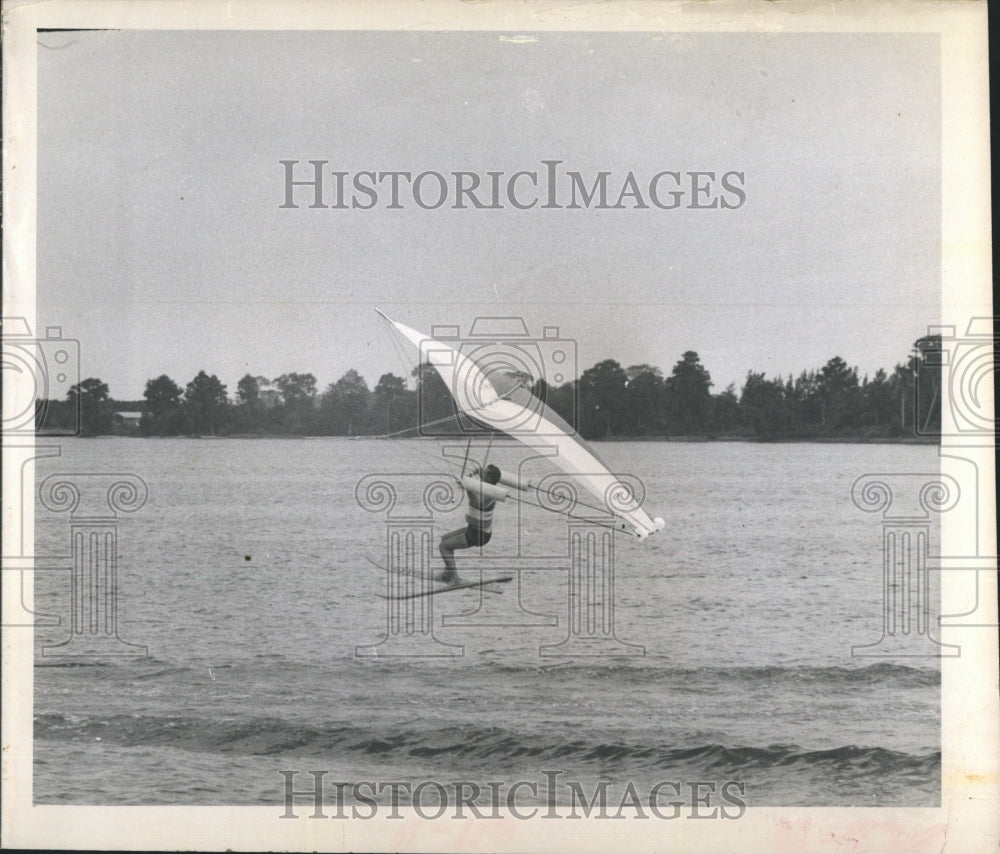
649, 669
898, 675
271, 736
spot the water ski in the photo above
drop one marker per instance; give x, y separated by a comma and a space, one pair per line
440, 588
447, 588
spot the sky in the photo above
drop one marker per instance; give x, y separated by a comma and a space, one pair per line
163, 246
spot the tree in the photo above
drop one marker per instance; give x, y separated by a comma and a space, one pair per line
393, 410
688, 393
296, 389
903, 384
205, 404
724, 411
344, 406
90, 398
298, 394
564, 400
248, 391
164, 413
257, 408
389, 385
879, 401
644, 398
435, 405
808, 401
762, 402
602, 394
838, 391
925, 364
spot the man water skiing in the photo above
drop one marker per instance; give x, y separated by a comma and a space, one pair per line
480, 521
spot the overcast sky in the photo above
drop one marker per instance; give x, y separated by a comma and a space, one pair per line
163, 246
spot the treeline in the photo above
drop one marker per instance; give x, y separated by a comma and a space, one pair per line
607, 401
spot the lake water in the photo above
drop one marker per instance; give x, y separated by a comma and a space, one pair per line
247, 578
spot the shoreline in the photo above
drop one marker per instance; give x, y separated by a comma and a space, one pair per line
815, 440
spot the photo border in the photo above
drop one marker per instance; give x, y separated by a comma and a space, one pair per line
967, 818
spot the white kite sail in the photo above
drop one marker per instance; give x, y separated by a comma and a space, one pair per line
517, 413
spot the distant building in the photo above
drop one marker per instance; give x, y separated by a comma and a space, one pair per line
126, 423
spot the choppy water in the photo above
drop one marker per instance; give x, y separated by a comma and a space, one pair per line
245, 576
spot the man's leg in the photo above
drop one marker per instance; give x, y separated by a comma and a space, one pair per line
449, 544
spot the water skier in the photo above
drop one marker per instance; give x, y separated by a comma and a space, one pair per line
479, 518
